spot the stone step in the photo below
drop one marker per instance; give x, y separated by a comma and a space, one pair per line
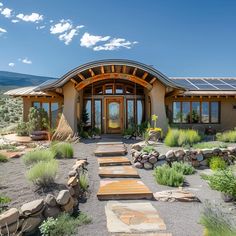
113, 161
109, 143
111, 150
118, 172
129, 189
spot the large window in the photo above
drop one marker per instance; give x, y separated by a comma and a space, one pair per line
196, 112
88, 110
98, 113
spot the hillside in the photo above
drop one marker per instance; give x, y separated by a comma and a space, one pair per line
12, 79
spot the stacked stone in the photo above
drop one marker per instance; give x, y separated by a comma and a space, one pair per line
31, 215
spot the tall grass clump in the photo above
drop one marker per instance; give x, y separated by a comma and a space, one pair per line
209, 145
165, 175
181, 137
33, 157
3, 158
84, 181
217, 163
62, 150
216, 222
43, 173
183, 168
227, 136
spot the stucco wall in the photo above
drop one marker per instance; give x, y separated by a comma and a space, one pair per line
157, 96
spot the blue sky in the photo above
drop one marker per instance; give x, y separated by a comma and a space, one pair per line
177, 37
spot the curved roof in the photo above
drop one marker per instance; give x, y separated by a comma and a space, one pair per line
117, 62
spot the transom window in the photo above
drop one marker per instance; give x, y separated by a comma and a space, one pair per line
196, 112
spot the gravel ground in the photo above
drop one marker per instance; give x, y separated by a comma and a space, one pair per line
181, 218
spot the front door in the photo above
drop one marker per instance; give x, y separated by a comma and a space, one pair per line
114, 115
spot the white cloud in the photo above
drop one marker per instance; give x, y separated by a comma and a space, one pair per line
89, 40
1, 4
115, 44
2, 30
40, 27
61, 27
68, 36
34, 17
11, 64
7, 12
25, 60
14, 21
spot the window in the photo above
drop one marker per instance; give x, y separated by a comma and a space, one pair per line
54, 114
140, 109
108, 89
36, 104
119, 89
129, 90
45, 106
88, 109
196, 112
98, 90
98, 114
130, 113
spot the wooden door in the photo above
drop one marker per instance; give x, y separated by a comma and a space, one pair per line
114, 115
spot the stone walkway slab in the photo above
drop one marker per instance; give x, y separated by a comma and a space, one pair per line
143, 234
111, 150
129, 217
118, 172
123, 189
109, 143
113, 161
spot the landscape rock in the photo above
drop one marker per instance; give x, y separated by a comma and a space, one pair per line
137, 146
152, 160
179, 153
147, 166
136, 154
50, 200
8, 217
72, 173
71, 190
63, 197
145, 156
138, 165
69, 206
162, 157
160, 163
31, 223
32, 208
11, 229
51, 211
72, 181
170, 154
199, 157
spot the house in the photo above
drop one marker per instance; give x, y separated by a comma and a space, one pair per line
120, 93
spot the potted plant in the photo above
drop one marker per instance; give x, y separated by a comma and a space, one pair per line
155, 133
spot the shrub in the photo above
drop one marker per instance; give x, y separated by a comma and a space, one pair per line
148, 149
35, 156
227, 136
183, 168
181, 137
209, 145
7, 147
223, 181
22, 129
217, 163
216, 222
43, 173
165, 175
84, 181
64, 225
63, 150
3, 201
3, 158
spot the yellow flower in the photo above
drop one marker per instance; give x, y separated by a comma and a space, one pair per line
154, 117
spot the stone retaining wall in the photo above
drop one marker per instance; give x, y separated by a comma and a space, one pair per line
17, 222
196, 158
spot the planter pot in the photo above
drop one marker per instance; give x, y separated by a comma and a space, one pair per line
226, 197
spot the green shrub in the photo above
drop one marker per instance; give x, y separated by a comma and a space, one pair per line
223, 181
181, 137
209, 145
217, 163
165, 175
35, 156
148, 149
227, 136
216, 222
84, 181
3, 201
183, 168
63, 150
64, 225
22, 129
43, 174
7, 147
3, 158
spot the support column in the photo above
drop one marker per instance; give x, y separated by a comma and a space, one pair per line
157, 96
70, 105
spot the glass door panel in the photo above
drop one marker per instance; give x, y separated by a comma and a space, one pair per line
114, 115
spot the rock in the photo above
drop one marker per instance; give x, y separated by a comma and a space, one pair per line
77, 191
204, 162
71, 190
51, 211
170, 154
143, 161
32, 208
152, 160
69, 206
199, 157
206, 151
147, 166
155, 153
8, 217
154, 135
216, 151
162, 157
50, 200
72, 181
63, 197
137, 146
76, 202
232, 150
138, 165
145, 156
11, 229
31, 223
72, 173
160, 163
175, 195
179, 153
195, 163
136, 154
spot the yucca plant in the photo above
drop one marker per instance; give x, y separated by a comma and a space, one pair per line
63, 150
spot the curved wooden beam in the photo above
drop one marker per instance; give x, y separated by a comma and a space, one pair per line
106, 76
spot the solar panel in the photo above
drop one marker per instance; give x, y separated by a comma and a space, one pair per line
206, 87
214, 81
198, 81
230, 81
184, 83
223, 87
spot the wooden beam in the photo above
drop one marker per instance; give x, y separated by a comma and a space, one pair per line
124, 69
74, 81
174, 93
81, 76
153, 80
145, 75
102, 70
112, 68
91, 72
135, 70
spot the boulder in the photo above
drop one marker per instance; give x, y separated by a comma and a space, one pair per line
152, 160
199, 157
137, 146
71, 190
162, 157
147, 166
136, 154
170, 154
179, 153
11, 229
69, 206
138, 165
195, 163
160, 163
206, 151
72, 181
50, 200
145, 156
31, 223
232, 150
155, 153
51, 211
63, 197
32, 208
77, 191
216, 151
72, 173
8, 217
143, 161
